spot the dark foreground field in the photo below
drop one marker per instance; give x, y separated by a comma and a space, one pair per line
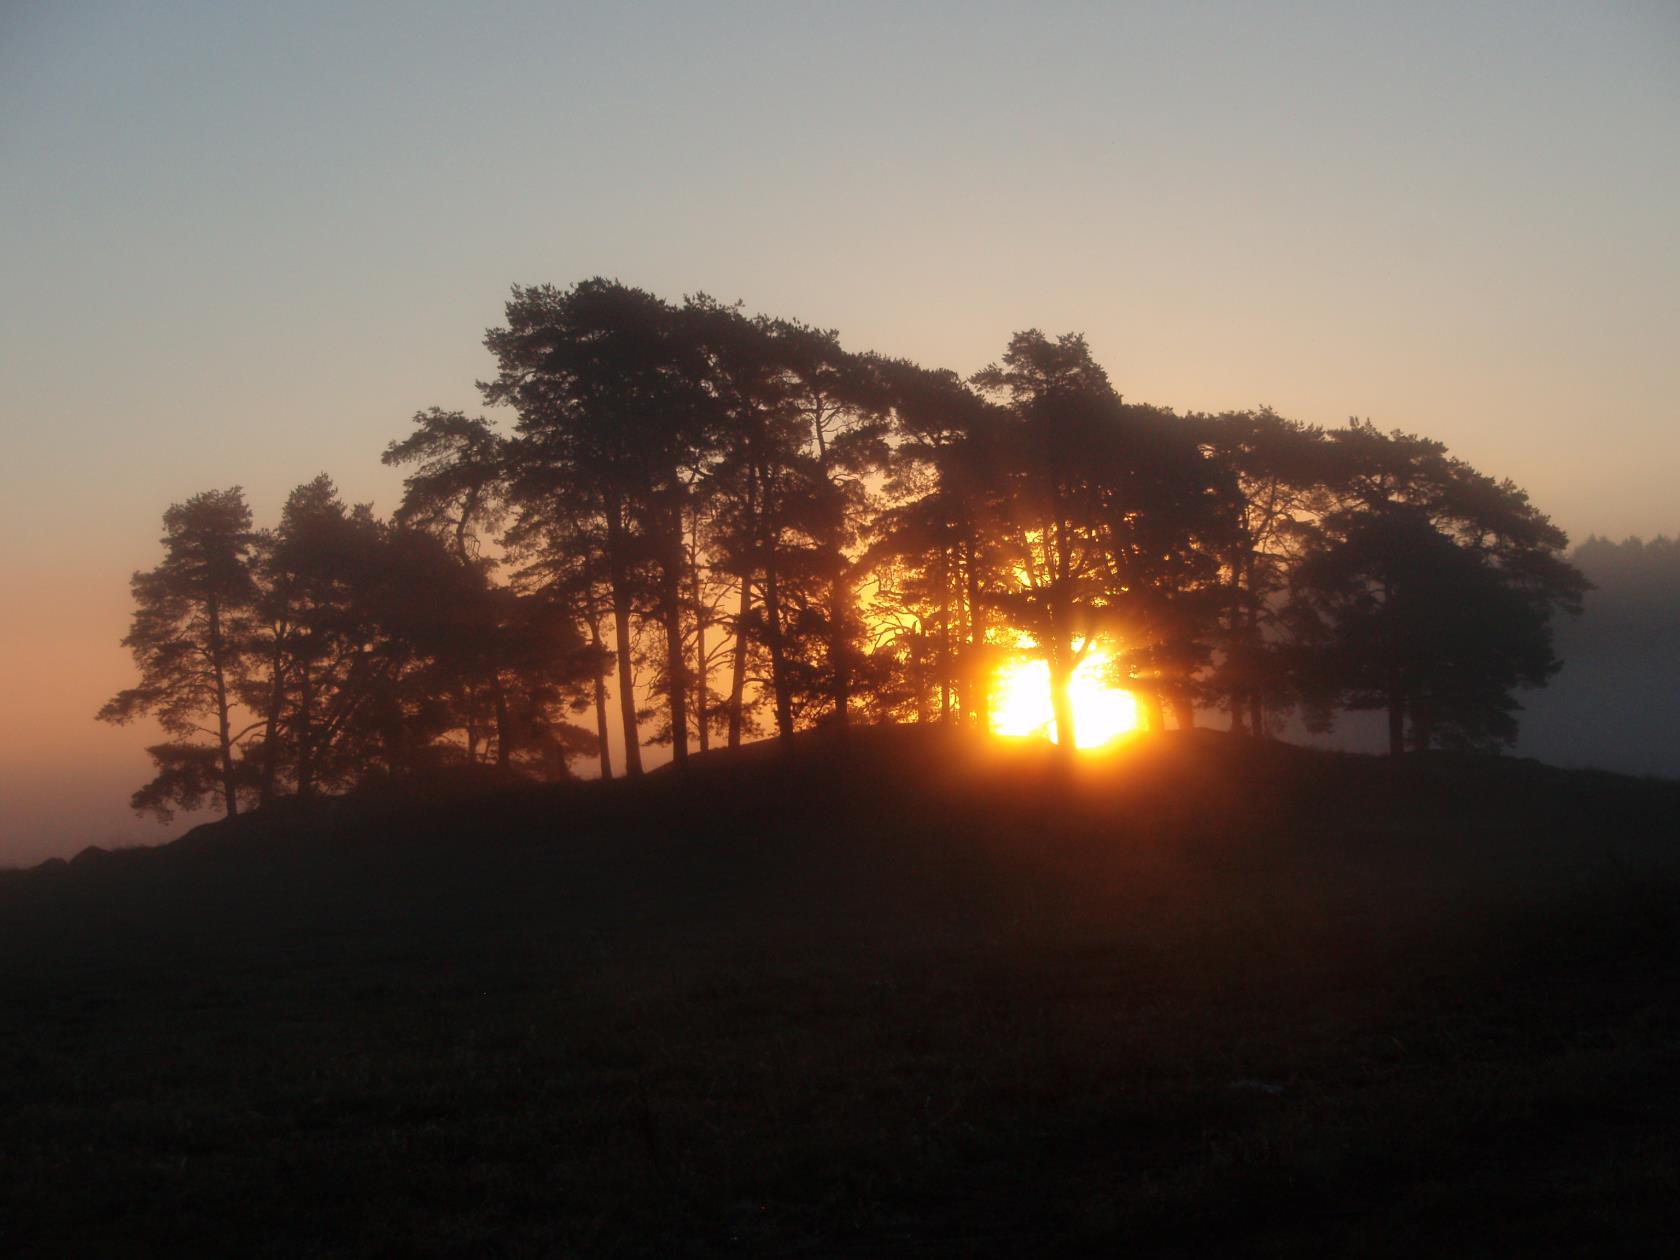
906, 998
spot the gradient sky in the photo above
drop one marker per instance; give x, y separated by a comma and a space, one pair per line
243, 243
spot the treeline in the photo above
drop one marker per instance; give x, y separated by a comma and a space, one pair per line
1617, 704
703, 525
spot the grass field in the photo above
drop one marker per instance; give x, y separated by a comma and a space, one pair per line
901, 996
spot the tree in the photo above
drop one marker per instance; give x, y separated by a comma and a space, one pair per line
1428, 590
188, 777
561, 554
458, 491
186, 639
1280, 471
938, 549
318, 570
392, 656
689, 490
613, 411
1166, 513
457, 487
843, 403
1108, 517
762, 483
1059, 401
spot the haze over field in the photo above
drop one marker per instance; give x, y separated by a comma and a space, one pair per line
244, 246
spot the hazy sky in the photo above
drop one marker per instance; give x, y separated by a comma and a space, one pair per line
244, 243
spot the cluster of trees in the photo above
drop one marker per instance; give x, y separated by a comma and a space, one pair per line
720, 523
333, 649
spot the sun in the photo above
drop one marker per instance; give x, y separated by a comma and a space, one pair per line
1021, 702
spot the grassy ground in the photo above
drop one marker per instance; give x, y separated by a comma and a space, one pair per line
908, 997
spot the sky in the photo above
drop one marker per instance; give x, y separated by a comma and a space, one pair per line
244, 243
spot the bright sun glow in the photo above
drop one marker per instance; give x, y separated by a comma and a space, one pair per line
1021, 702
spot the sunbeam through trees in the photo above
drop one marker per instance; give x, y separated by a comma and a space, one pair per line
707, 526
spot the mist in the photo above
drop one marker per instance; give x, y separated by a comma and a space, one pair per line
1615, 704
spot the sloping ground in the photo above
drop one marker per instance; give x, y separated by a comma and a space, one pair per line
898, 995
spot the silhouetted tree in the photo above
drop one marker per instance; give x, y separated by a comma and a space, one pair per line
844, 404
610, 401
1166, 515
1110, 517
187, 641
562, 558
767, 515
1428, 590
392, 654
690, 490
1281, 472
458, 492
317, 567
1061, 403
189, 776
945, 532
457, 487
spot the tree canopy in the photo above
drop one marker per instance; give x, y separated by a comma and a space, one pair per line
727, 525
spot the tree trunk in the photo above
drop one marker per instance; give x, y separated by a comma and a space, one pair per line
839, 596
981, 668
305, 735
1157, 710
738, 667
1240, 660
1184, 714
626, 687
670, 601
839, 648
504, 724
778, 663
601, 732
1423, 726
944, 643
963, 655
1257, 680
918, 680
1396, 696
702, 670
271, 719
230, 794
1061, 701
620, 580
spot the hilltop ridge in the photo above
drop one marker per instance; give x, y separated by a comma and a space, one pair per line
895, 764
899, 994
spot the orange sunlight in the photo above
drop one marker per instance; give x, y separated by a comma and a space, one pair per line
1101, 712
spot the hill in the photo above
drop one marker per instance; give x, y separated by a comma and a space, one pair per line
901, 994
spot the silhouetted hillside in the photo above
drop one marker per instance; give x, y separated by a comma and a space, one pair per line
902, 994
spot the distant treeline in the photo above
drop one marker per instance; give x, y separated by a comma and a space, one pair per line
1617, 704
724, 524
